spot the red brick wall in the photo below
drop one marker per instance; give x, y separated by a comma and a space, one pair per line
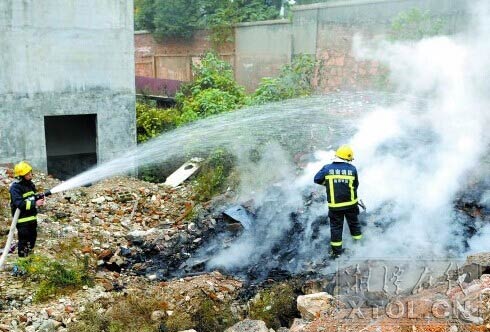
337, 68
172, 58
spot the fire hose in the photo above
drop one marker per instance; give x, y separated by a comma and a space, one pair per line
9, 238
361, 204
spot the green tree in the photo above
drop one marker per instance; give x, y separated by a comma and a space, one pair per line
176, 18
415, 24
180, 18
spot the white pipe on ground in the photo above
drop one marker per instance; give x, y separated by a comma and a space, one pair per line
10, 238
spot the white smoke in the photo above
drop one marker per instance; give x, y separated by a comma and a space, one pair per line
451, 75
412, 157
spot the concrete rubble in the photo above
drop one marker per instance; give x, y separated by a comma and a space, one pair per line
116, 220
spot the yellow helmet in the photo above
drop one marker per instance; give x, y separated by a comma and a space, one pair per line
345, 152
22, 169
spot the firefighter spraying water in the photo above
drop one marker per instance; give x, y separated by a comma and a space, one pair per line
24, 202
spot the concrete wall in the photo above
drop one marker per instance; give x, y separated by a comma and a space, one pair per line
65, 57
261, 49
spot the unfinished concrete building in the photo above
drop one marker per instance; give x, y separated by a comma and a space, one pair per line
66, 83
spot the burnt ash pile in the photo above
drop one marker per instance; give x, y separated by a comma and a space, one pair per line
216, 228
297, 247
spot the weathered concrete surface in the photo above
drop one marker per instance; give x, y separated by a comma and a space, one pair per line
262, 48
65, 57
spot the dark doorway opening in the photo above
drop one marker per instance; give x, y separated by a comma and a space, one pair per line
71, 144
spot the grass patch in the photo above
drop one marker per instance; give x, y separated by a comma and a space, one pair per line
210, 316
276, 306
55, 277
212, 178
130, 313
133, 313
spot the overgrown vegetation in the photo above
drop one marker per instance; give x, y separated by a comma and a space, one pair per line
214, 174
4, 201
293, 81
415, 24
213, 91
209, 316
130, 313
180, 18
152, 121
276, 306
134, 313
223, 19
55, 276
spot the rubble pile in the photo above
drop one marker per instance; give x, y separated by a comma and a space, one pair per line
112, 222
145, 238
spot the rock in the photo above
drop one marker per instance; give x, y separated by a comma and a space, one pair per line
192, 330
105, 255
298, 325
248, 325
87, 250
157, 315
4, 328
283, 329
47, 326
311, 306
99, 200
108, 286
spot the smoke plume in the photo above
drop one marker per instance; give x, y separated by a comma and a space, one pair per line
413, 157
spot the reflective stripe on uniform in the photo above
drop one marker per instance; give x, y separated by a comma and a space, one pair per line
29, 193
336, 244
21, 220
350, 178
332, 193
357, 237
28, 204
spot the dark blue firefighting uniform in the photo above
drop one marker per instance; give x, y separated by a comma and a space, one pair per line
341, 182
22, 194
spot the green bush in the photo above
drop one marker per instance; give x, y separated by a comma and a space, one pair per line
55, 277
212, 178
415, 24
213, 90
152, 121
208, 102
276, 306
293, 81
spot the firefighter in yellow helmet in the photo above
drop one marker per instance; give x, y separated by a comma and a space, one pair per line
22, 197
341, 182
